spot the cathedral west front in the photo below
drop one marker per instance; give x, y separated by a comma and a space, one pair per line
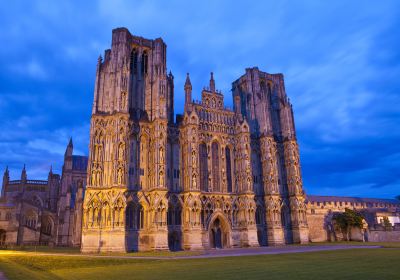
212, 178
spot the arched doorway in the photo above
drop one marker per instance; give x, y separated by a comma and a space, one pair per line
219, 233
174, 241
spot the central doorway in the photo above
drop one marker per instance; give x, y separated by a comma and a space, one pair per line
218, 235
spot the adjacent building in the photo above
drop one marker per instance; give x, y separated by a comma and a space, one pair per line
46, 212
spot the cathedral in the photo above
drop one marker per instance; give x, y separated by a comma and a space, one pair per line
210, 178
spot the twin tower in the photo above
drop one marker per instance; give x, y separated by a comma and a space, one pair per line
212, 178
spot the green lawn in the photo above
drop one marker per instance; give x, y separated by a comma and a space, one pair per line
358, 243
342, 264
75, 251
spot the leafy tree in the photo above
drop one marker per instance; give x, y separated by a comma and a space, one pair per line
386, 223
348, 219
397, 197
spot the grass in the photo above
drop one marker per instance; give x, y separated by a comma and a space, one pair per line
43, 249
75, 251
343, 264
358, 243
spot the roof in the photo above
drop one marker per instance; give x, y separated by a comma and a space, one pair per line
79, 163
318, 198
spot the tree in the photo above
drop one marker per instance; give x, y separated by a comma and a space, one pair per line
348, 219
398, 197
386, 223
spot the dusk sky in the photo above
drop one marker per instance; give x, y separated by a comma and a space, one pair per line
340, 59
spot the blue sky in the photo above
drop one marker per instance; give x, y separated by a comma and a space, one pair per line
341, 61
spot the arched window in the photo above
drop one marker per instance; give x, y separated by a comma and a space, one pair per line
178, 215
37, 202
140, 219
134, 216
259, 216
228, 169
284, 216
8, 216
134, 58
269, 89
170, 215
47, 226
143, 162
144, 63
31, 221
129, 216
203, 167
215, 166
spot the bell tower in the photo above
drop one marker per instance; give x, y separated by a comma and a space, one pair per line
133, 104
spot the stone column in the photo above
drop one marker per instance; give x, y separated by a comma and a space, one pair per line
271, 190
247, 224
192, 234
158, 230
296, 193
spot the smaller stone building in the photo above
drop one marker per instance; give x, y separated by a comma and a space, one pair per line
43, 211
320, 210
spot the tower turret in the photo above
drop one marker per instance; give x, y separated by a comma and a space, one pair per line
69, 149
50, 172
6, 179
68, 155
212, 83
188, 91
23, 175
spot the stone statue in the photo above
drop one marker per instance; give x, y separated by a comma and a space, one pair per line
121, 152
120, 176
194, 181
194, 159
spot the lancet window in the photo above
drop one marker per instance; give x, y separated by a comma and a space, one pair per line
203, 167
215, 167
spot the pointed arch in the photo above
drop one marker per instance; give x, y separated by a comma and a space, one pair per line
133, 61
203, 156
215, 155
144, 63
228, 163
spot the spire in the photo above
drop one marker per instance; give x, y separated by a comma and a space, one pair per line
51, 170
69, 149
212, 83
23, 174
6, 172
6, 176
188, 91
6, 179
188, 84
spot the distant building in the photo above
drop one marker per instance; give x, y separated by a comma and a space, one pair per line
46, 212
212, 178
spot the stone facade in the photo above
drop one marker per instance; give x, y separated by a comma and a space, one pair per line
46, 212
211, 178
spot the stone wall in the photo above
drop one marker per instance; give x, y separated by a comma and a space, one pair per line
317, 228
381, 234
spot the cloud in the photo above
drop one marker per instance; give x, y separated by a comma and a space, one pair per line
32, 69
341, 63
